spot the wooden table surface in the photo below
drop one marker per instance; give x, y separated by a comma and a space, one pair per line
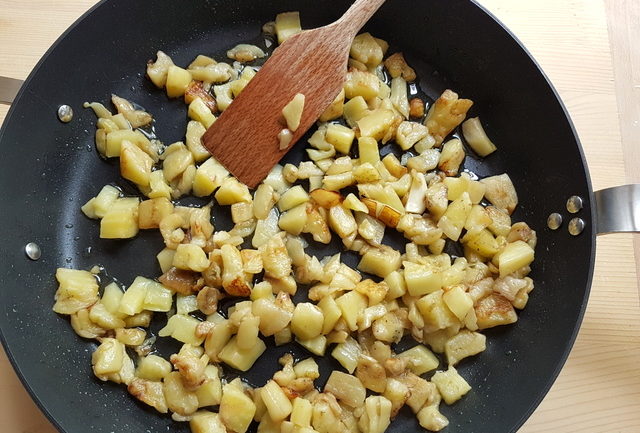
586, 47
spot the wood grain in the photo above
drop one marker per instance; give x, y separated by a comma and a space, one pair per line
595, 70
624, 26
599, 386
313, 63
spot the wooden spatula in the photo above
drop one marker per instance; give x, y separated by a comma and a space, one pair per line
314, 62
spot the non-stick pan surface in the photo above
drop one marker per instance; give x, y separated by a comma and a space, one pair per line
48, 169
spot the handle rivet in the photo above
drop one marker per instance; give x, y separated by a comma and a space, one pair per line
32, 250
576, 226
554, 221
574, 204
65, 113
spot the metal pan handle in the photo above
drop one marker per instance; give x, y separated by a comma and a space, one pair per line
618, 209
9, 89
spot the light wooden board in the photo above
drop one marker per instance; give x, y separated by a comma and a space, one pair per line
573, 40
624, 26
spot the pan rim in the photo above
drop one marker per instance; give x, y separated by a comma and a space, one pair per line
550, 380
7, 120
592, 214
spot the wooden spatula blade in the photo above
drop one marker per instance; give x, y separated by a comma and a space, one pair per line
245, 137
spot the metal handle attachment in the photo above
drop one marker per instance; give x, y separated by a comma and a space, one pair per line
9, 89
618, 209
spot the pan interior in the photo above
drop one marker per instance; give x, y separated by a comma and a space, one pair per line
50, 169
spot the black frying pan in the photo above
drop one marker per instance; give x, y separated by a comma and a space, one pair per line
48, 169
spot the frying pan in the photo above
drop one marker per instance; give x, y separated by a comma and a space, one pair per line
49, 169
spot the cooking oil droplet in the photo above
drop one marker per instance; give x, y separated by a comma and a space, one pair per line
576, 226
471, 174
32, 250
554, 221
574, 204
65, 113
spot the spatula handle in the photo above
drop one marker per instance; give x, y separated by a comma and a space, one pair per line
358, 14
